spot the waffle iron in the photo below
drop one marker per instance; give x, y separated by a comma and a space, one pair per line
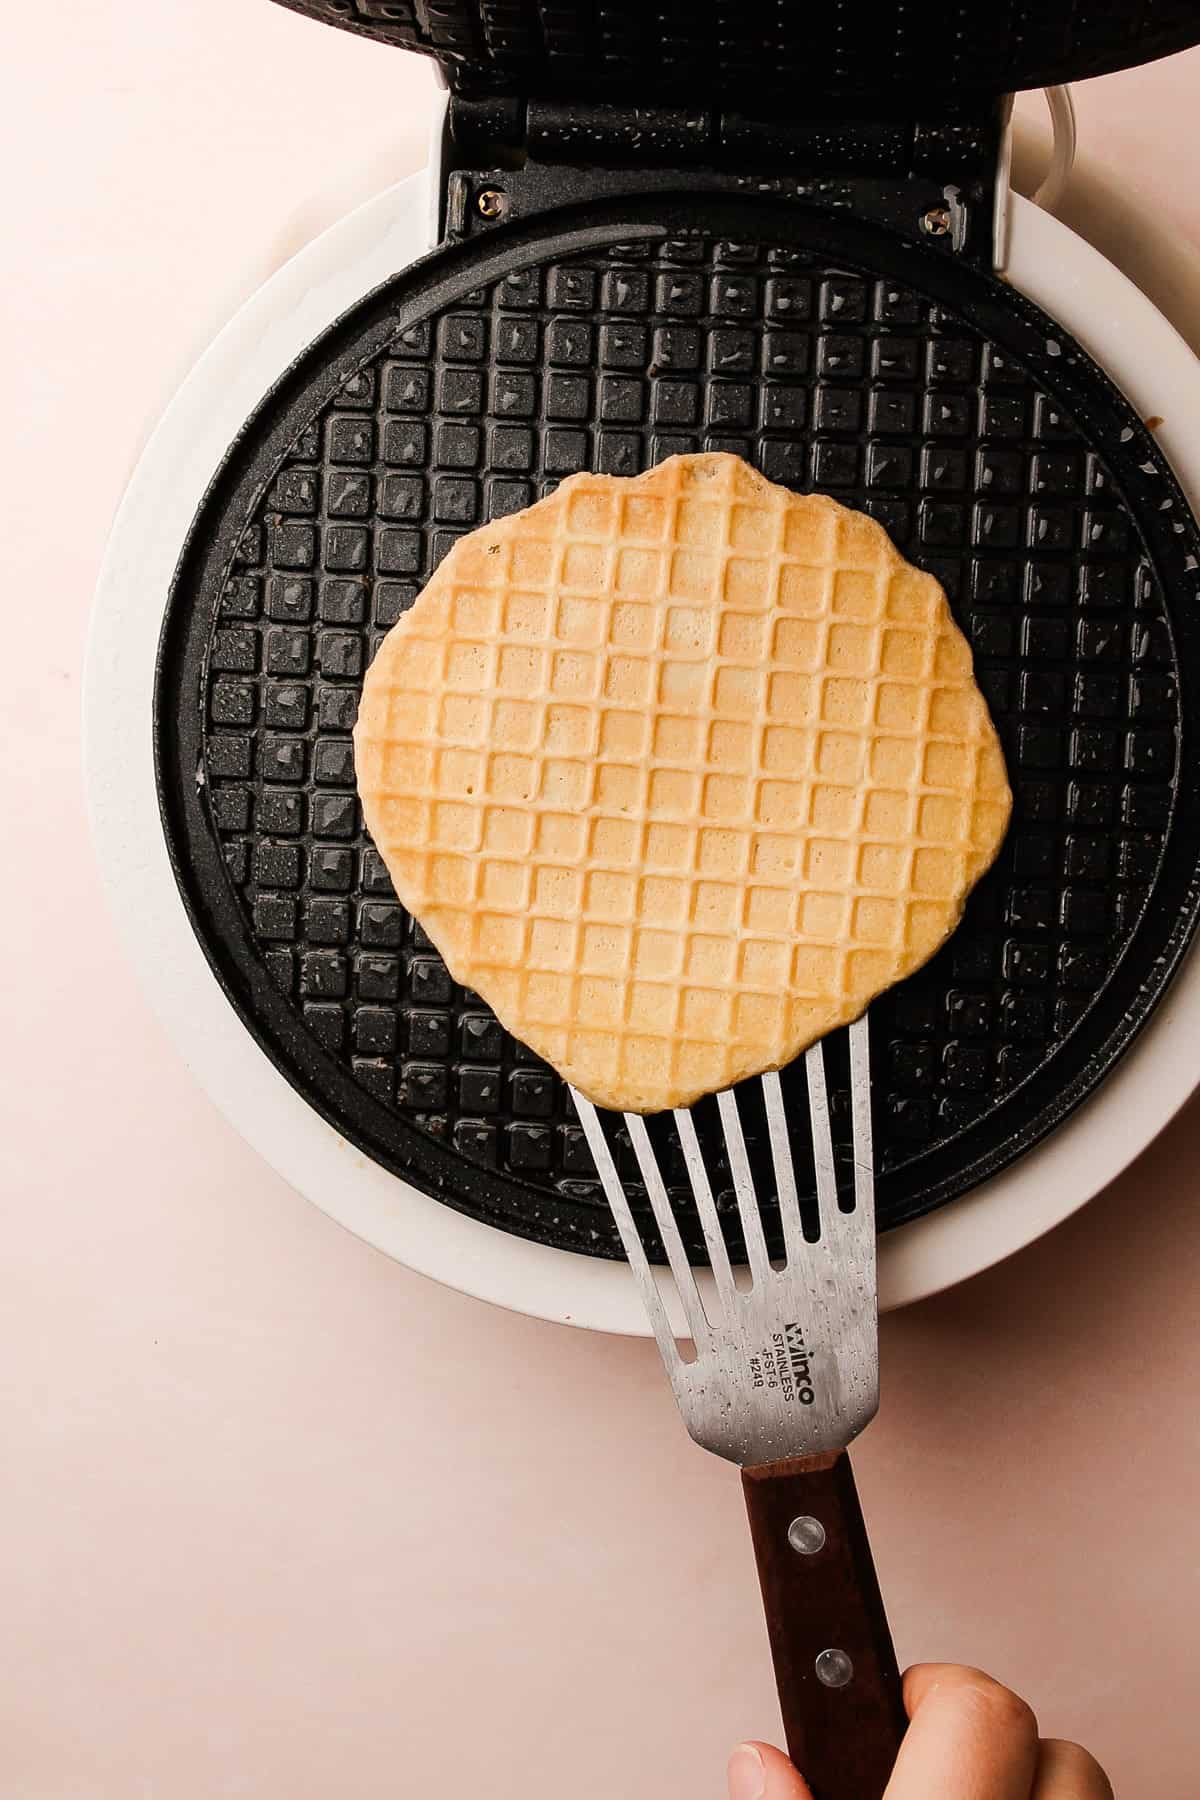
644, 245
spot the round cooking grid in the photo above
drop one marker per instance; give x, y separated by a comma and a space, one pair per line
968, 426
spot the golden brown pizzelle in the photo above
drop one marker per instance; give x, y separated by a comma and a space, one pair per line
678, 772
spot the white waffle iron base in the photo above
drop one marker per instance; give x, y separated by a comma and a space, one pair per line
1073, 283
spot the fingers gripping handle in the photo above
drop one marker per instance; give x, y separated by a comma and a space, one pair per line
839, 1687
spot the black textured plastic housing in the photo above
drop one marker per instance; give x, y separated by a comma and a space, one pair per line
832, 356
760, 53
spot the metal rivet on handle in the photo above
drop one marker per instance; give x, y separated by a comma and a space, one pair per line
834, 1668
806, 1535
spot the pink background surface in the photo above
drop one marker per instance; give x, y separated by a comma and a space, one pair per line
279, 1518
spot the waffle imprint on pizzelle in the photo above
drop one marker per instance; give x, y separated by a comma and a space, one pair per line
678, 772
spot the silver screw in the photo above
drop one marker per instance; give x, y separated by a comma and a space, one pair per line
806, 1535
936, 222
491, 203
834, 1668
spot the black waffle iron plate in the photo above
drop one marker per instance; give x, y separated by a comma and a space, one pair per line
847, 336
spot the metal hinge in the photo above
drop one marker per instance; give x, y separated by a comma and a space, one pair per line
933, 178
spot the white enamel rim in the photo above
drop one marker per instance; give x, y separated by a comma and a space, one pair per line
1074, 284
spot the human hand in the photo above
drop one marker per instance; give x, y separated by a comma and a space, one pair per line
969, 1739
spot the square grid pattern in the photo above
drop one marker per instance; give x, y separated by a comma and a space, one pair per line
820, 378
761, 53
679, 775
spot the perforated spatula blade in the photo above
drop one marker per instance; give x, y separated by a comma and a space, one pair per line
785, 1374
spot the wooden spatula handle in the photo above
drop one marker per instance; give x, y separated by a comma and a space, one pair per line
839, 1687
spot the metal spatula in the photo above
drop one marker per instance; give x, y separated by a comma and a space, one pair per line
785, 1374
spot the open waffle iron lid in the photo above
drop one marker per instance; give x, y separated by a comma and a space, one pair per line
764, 53
621, 317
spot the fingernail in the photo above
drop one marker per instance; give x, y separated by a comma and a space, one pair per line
747, 1774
